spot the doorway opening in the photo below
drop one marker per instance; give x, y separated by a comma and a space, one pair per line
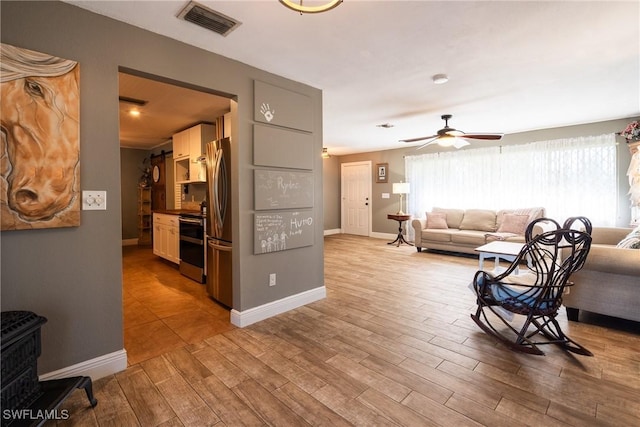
163, 309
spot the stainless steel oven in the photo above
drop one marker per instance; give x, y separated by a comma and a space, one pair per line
192, 246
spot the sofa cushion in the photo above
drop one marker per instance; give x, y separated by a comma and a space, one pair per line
498, 236
437, 220
454, 216
479, 219
437, 235
513, 223
631, 241
533, 213
468, 238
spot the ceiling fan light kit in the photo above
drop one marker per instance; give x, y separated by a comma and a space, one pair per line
301, 8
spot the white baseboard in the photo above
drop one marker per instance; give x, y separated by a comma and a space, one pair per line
129, 242
256, 314
334, 231
95, 368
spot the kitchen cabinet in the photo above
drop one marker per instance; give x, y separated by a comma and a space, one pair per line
181, 146
166, 237
188, 151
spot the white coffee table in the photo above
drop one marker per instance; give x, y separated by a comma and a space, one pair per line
508, 251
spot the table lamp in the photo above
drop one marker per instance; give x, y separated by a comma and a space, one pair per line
400, 188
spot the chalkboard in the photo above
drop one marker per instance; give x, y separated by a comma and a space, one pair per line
282, 230
282, 190
278, 106
283, 148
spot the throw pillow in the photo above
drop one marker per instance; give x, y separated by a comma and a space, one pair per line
512, 223
631, 241
436, 220
479, 219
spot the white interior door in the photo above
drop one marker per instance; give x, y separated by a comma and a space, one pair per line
356, 198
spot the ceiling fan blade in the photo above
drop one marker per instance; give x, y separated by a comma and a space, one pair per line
432, 141
489, 136
422, 138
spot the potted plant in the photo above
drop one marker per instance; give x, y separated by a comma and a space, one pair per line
145, 178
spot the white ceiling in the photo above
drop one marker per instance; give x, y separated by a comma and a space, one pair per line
513, 66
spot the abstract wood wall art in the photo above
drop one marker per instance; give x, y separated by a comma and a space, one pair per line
40, 147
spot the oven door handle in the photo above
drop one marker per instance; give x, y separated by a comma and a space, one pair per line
190, 221
192, 240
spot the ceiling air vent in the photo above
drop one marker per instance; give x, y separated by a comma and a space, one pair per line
208, 18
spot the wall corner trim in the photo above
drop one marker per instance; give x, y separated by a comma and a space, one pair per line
96, 368
262, 312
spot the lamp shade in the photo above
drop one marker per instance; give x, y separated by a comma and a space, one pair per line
400, 188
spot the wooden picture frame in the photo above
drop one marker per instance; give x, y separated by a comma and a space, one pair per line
382, 172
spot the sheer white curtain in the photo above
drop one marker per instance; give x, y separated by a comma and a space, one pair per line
575, 176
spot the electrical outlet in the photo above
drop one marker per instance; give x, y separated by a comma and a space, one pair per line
272, 279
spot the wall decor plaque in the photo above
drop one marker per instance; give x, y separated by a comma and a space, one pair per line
275, 189
282, 230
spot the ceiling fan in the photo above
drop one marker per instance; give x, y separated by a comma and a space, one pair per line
450, 137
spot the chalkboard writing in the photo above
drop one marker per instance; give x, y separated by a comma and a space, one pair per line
282, 190
282, 230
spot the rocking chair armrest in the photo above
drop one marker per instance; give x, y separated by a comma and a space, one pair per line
481, 280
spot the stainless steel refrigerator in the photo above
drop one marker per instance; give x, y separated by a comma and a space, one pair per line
219, 242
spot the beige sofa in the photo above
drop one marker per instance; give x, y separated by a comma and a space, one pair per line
465, 230
609, 282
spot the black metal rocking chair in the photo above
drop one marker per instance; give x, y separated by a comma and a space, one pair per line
551, 258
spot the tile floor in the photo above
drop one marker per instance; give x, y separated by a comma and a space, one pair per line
164, 310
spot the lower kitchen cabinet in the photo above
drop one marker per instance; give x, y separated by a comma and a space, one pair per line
166, 237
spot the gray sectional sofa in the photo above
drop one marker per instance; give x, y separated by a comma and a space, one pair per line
458, 230
609, 282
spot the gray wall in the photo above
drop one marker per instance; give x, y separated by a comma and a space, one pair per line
395, 158
130, 172
331, 190
73, 276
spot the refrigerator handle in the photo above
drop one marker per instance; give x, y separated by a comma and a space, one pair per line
218, 247
217, 202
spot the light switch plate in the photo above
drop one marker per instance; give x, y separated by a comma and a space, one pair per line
93, 200
385, 195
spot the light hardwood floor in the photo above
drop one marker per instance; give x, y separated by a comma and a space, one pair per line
392, 344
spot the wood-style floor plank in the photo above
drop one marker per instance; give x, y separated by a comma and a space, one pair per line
145, 399
392, 345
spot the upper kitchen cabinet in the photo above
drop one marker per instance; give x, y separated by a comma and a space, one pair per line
188, 149
181, 145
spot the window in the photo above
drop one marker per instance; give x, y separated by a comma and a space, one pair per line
569, 177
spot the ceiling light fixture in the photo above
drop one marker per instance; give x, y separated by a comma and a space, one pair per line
325, 153
299, 7
440, 79
385, 125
